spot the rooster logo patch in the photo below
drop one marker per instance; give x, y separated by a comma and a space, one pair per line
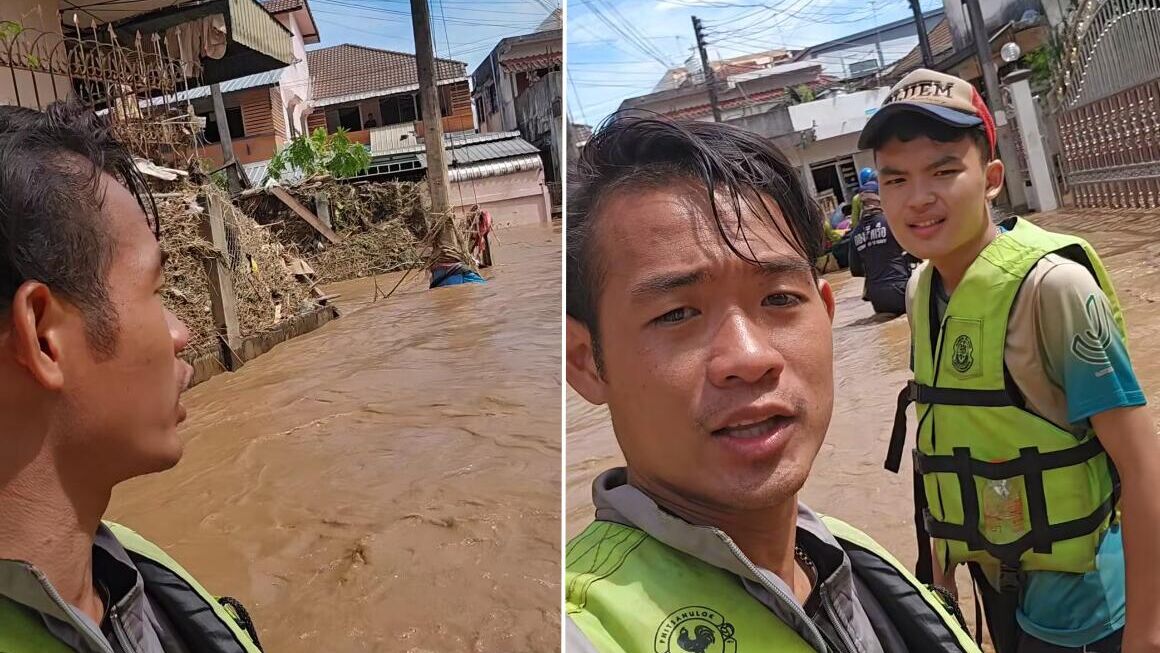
695, 629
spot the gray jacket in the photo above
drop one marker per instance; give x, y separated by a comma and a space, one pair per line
132, 625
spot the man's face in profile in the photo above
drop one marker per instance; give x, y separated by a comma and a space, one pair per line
718, 373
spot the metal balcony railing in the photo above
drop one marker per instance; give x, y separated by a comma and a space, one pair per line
135, 85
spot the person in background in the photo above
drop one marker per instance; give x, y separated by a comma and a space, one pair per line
90, 386
479, 226
1033, 432
876, 255
455, 262
865, 176
370, 122
694, 313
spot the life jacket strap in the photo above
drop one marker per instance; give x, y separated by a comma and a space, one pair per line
1030, 465
1030, 462
915, 392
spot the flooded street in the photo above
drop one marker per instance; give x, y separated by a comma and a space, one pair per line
870, 367
389, 482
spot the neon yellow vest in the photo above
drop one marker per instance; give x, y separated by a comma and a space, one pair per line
22, 631
629, 593
1002, 484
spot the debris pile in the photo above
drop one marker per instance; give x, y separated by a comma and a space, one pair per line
266, 289
383, 226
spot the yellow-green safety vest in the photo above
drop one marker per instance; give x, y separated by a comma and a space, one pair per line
1002, 485
629, 593
205, 624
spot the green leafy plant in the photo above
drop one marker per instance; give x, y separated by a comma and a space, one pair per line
801, 94
321, 153
9, 30
1043, 61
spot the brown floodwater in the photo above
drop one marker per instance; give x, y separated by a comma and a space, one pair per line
871, 357
391, 481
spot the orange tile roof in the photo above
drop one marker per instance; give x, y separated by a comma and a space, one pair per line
278, 6
351, 69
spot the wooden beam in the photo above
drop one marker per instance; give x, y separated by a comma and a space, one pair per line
223, 301
304, 213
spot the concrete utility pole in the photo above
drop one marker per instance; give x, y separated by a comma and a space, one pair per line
877, 37
923, 37
1007, 152
710, 77
437, 180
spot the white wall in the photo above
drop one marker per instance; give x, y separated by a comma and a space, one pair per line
837, 62
507, 82
513, 199
839, 114
832, 148
295, 80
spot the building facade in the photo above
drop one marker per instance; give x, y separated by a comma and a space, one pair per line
362, 90
514, 66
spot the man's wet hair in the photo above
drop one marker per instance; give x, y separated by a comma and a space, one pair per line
910, 125
51, 199
637, 151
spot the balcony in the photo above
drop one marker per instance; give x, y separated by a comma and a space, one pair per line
247, 149
97, 70
455, 123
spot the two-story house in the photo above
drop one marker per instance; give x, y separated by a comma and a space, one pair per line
265, 110
518, 87
145, 49
363, 89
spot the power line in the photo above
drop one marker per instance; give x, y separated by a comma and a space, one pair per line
579, 104
640, 45
377, 11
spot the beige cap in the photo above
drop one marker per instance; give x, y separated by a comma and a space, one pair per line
945, 98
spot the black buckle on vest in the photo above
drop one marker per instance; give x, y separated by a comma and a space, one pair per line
1008, 579
911, 391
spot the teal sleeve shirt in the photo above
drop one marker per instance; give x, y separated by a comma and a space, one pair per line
1087, 358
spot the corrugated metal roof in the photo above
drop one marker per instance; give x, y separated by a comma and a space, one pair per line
490, 151
393, 138
256, 172
257, 80
452, 140
493, 168
252, 26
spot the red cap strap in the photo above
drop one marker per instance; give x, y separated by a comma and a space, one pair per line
988, 120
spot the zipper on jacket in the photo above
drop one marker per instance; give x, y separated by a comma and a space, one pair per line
786, 599
93, 636
832, 615
119, 631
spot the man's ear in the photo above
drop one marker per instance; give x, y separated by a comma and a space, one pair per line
827, 293
994, 175
37, 331
580, 360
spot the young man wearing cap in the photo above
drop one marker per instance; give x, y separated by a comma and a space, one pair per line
1024, 391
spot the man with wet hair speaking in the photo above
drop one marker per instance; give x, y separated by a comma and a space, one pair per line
694, 313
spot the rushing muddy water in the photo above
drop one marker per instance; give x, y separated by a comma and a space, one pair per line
391, 481
870, 366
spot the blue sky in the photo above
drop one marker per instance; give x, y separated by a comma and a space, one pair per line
605, 66
468, 34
